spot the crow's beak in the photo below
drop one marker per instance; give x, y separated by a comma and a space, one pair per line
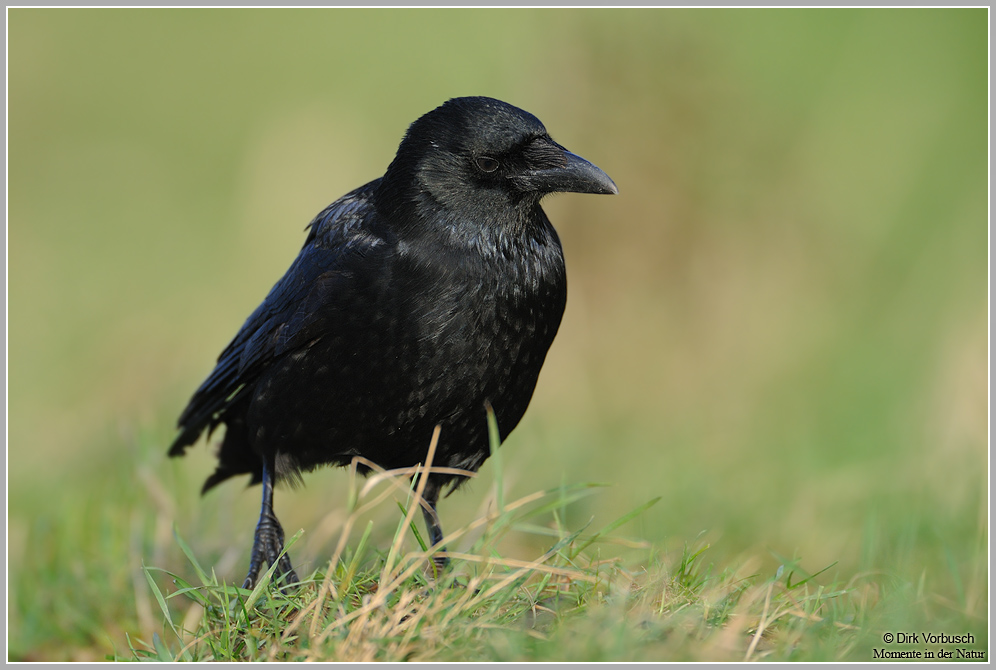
576, 176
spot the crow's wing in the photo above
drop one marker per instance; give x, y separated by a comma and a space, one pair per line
342, 238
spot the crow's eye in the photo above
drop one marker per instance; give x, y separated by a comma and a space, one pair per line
486, 163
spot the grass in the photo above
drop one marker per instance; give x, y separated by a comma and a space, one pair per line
577, 601
566, 605
494, 608
115, 576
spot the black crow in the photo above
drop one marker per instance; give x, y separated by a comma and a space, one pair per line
421, 298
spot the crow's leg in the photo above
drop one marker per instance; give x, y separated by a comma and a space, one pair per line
269, 540
431, 497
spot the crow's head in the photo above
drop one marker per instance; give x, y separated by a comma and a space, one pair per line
474, 156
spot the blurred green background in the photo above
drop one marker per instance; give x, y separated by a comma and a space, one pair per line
779, 324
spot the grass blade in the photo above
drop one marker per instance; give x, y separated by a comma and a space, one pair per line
201, 575
625, 518
159, 596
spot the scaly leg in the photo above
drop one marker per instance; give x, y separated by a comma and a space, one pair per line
431, 496
269, 540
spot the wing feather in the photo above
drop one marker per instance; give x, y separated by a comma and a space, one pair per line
295, 312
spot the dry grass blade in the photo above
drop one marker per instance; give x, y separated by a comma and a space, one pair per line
761, 624
410, 515
528, 566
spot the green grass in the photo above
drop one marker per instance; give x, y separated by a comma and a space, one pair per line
593, 593
568, 604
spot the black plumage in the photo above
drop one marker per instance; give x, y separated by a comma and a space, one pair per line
420, 298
